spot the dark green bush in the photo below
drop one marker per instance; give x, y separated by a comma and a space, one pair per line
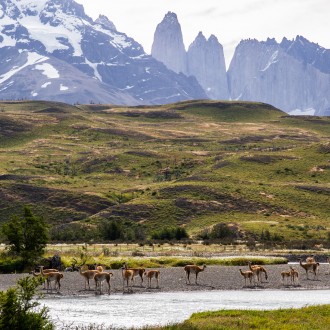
169, 234
18, 309
27, 235
11, 265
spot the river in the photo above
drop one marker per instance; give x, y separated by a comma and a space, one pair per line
128, 310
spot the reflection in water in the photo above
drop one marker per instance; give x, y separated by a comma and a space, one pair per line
139, 310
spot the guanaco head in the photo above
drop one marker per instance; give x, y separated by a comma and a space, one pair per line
82, 268
99, 269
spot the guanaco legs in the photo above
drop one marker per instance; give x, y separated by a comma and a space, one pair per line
152, 274
89, 275
310, 266
328, 261
193, 269
136, 272
99, 278
248, 274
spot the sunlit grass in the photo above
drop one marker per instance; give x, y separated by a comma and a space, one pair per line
246, 152
306, 318
167, 255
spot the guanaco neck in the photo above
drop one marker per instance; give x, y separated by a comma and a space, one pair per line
42, 270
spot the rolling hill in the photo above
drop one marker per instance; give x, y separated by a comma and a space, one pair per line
192, 164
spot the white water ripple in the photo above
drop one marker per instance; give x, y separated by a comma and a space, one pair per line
150, 309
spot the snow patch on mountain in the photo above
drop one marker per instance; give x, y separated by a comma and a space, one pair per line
32, 58
31, 5
48, 70
55, 37
118, 39
45, 85
272, 60
299, 112
94, 67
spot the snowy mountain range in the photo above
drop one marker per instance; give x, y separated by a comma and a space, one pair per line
51, 50
293, 75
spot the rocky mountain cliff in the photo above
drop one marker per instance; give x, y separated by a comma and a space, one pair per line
290, 75
206, 62
204, 59
168, 46
50, 49
293, 75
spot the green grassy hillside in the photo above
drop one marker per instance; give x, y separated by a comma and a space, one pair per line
193, 164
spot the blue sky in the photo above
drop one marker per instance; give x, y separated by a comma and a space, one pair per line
229, 20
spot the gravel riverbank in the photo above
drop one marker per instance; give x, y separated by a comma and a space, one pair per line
173, 279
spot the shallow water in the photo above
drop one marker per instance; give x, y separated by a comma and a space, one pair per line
128, 310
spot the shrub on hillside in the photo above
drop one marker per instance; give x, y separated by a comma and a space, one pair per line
169, 234
221, 231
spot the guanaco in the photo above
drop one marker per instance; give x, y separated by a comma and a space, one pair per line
52, 277
128, 277
88, 275
310, 266
286, 275
99, 278
257, 271
152, 274
248, 274
294, 275
194, 269
45, 271
136, 271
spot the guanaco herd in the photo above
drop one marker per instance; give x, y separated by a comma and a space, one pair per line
99, 276
289, 277
253, 275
